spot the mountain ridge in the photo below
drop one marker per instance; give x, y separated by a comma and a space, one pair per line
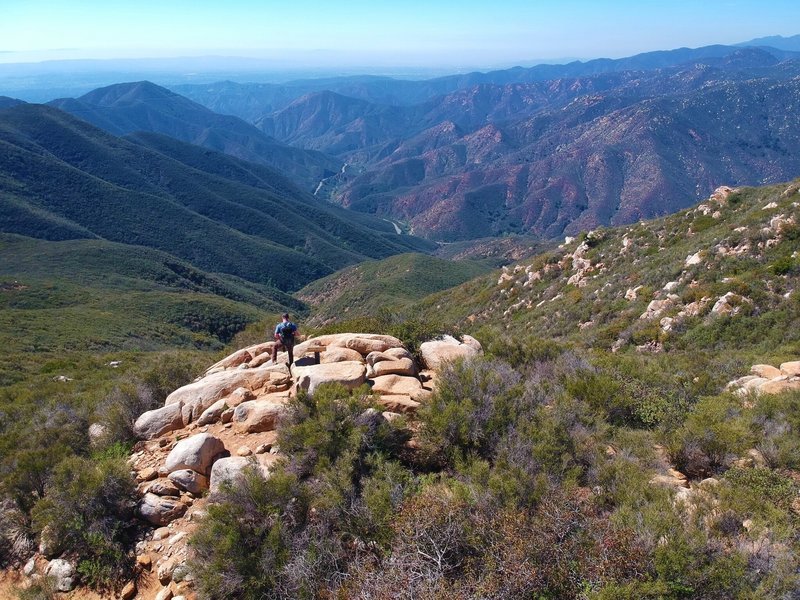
125, 108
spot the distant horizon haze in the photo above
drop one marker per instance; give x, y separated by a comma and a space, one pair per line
442, 34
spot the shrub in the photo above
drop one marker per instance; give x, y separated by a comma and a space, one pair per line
714, 433
88, 509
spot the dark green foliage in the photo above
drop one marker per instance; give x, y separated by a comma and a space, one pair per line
64, 179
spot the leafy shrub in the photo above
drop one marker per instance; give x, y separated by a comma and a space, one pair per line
714, 433
88, 509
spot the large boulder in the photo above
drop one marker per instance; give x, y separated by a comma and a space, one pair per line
436, 352
234, 360
196, 453
779, 386
334, 355
213, 413
363, 343
154, 423
350, 374
229, 469
790, 368
402, 366
199, 395
394, 385
63, 574
257, 416
189, 481
766, 371
160, 510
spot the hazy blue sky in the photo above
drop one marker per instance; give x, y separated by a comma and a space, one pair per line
378, 31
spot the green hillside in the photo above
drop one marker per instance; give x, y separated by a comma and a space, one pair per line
61, 178
390, 284
595, 290
98, 296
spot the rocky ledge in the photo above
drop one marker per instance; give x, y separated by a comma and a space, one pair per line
207, 432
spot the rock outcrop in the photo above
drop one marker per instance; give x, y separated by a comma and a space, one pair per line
212, 430
448, 348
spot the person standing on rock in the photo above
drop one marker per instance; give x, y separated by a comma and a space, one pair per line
285, 332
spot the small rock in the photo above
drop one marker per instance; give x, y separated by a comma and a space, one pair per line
263, 448
160, 510
129, 591
227, 415
164, 594
165, 570
147, 474
62, 573
213, 413
98, 434
177, 538
144, 561
189, 481
30, 567
164, 488
244, 451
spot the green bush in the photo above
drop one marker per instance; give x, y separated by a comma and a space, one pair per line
88, 509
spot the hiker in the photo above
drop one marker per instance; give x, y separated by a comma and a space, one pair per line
284, 338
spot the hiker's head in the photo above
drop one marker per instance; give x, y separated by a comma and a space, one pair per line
285, 316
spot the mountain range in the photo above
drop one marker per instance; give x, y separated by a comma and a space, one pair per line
544, 151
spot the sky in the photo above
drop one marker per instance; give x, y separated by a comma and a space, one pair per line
413, 32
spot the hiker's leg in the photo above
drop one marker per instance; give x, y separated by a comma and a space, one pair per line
275, 352
290, 350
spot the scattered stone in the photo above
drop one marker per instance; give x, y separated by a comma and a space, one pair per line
189, 481
164, 594
392, 385
129, 591
399, 404
334, 355
241, 394
196, 452
63, 574
244, 451
165, 571
98, 434
693, 259
161, 533
147, 474
226, 416
228, 469
29, 570
144, 561
402, 366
